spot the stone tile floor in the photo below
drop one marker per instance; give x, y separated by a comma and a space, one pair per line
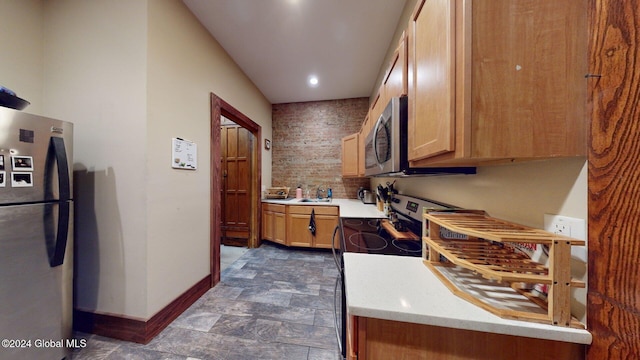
271, 303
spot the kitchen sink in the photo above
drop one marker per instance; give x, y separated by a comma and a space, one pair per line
315, 200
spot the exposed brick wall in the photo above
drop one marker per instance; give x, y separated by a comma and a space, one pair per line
307, 144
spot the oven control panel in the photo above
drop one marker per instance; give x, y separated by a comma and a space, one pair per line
411, 206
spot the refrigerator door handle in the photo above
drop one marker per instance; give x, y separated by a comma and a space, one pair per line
64, 184
60, 154
61, 234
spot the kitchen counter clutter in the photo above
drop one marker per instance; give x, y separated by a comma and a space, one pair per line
391, 289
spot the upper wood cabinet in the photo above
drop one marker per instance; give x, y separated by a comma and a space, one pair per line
350, 155
492, 81
395, 79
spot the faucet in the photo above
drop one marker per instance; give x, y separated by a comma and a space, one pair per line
319, 192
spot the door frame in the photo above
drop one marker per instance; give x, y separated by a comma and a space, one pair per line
220, 108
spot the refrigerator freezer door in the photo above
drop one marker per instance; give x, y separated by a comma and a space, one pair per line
35, 298
35, 155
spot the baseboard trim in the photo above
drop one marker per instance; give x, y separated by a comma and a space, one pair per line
138, 331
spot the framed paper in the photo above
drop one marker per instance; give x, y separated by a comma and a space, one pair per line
3, 176
21, 179
22, 163
184, 154
1, 162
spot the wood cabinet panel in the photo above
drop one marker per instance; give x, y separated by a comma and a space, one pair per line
350, 155
431, 79
318, 210
377, 338
298, 218
325, 224
298, 233
493, 81
395, 80
279, 228
273, 222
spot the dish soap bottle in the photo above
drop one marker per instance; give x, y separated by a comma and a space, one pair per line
299, 192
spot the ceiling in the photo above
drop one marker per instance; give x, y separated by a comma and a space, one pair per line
280, 44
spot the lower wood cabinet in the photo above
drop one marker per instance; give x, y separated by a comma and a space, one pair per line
289, 224
372, 339
298, 220
274, 223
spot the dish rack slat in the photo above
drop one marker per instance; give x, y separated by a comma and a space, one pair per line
490, 252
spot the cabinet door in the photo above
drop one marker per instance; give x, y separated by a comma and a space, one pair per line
298, 233
325, 224
528, 87
350, 146
279, 228
431, 79
395, 82
267, 225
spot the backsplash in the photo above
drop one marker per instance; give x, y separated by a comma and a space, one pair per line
307, 144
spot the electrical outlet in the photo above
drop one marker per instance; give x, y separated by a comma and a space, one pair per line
568, 226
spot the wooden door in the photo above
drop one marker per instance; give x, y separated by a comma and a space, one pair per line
236, 179
431, 79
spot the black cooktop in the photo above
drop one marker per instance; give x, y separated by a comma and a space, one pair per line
365, 235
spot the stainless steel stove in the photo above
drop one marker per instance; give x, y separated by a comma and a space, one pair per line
367, 235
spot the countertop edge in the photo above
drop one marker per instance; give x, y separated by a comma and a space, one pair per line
380, 297
351, 208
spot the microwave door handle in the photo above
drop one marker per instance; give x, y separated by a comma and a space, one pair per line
375, 139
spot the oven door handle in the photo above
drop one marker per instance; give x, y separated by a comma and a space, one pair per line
334, 250
337, 296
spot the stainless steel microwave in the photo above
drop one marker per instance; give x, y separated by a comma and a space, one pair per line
385, 150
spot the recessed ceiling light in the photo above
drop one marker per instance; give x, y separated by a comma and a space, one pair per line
313, 80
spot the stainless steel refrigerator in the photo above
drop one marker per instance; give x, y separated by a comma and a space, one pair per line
36, 236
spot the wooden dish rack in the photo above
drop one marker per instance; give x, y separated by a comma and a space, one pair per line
487, 270
281, 192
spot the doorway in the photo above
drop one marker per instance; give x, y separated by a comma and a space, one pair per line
221, 109
236, 145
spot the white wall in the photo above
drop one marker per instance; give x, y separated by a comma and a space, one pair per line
130, 75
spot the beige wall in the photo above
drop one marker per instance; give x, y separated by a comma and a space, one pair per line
185, 65
130, 75
95, 76
21, 47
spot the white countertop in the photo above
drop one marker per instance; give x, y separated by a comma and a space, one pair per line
351, 208
404, 289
